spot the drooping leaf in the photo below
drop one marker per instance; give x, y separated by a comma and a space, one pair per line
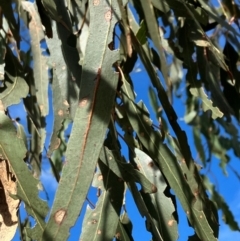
153, 29
60, 110
68, 73
160, 206
124, 228
199, 145
39, 49
53, 11
101, 222
26, 184
90, 122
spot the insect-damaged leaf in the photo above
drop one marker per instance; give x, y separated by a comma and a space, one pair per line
160, 207
39, 49
207, 103
60, 110
26, 184
97, 93
101, 222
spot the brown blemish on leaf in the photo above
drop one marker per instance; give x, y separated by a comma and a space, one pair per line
59, 216
1, 106
83, 102
100, 177
65, 103
118, 235
151, 164
58, 144
170, 223
110, 158
108, 15
99, 232
94, 221
60, 112
142, 134
154, 189
41, 107
96, 2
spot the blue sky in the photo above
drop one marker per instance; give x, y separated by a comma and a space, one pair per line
228, 186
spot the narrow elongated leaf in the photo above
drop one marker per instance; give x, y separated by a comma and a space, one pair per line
144, 210
124, 228
101, 223
53, 11
192, 205
26, 184
198, 144
126, 171
153, 30
160, 207
40, 68
68, 79
60, 110
97, 93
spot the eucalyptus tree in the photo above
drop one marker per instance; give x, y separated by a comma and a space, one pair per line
83, 52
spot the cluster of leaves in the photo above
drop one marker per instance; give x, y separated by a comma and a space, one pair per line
70, 46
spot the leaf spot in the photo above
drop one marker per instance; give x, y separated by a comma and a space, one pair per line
60, 112
65, 103
100, 177
94, 221
110, 158
170, 223
59, 216
108, 15
151, 164
83, 102
154, 189
99, 232
96, 2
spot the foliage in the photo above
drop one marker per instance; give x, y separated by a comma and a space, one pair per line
70, 48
